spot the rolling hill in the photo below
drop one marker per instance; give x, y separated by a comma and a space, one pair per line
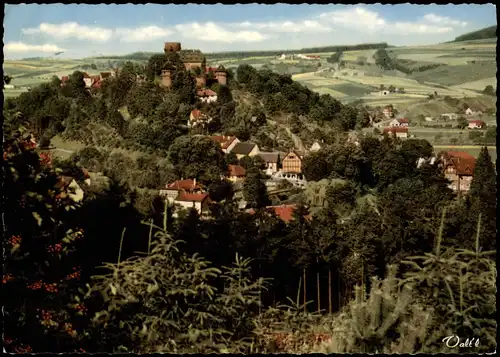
486, 33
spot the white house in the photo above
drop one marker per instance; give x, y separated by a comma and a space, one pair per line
175, 188
69, 188
198, 201
227, 143
206, 95
315, 147
401, 122
271, 160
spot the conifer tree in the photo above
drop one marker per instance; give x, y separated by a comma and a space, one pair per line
482, 198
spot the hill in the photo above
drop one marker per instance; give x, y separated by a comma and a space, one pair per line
488, 32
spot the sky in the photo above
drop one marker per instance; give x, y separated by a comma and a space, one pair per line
82, 30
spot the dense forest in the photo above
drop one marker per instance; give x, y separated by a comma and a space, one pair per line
380, 255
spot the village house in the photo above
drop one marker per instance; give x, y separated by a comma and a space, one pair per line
401, 122
315, 147
449, 116
236, 173
245, 149
459, 169
198, 119
271, 160
429, 119
198, 201
292, 162
206, 95
173, 189
399, 132
476, 124
226, 143
69, 188
469, 111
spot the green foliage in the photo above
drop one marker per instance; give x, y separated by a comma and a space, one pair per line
167, 301
487, 32
197, 157
489, 90
254, 190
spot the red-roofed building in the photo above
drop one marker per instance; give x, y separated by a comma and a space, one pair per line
400, 132
226, 142
236, 173
476, 124
459, 169
198, 119
198, 201
175, 188
283, 212
206, 95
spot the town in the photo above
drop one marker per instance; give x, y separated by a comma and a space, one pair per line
253, 179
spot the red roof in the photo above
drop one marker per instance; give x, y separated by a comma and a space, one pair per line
464, 167
403, 120
183, 185
206, 93
479, 122
191, 197
236, 171
283, 212
86, 75
196, 113
223, 140
459, 154
396, 130
211, 69
64, 78
85, 173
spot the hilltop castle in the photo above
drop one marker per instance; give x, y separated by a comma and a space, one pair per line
192, 59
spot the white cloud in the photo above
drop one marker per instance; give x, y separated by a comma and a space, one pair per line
443, 20
142, 34
16, 47
215, 33
70, 30
351, 25
309, 26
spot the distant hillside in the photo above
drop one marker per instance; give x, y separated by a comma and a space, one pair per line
140, 56
488, 32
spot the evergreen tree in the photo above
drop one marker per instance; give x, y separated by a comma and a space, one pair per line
482, 198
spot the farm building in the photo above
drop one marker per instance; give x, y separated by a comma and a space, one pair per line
198, 119
476, 124
401, 122
470, 111
315, 147
399, 132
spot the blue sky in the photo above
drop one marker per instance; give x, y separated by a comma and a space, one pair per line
90, 30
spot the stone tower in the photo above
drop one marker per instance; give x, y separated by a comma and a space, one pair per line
172, 47
166, 78
221, 75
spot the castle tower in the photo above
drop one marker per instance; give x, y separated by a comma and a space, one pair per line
166, 78
172, 47
221, 75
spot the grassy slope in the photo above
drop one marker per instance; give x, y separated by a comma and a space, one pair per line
485, 33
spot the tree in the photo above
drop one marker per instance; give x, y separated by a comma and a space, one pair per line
220, 191
244, 73
40, 271
7, 79
462, 123
491, 134
489, 90
197, 157
314, 166
254, 190
482, 199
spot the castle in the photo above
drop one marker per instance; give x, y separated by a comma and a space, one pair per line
192, 59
